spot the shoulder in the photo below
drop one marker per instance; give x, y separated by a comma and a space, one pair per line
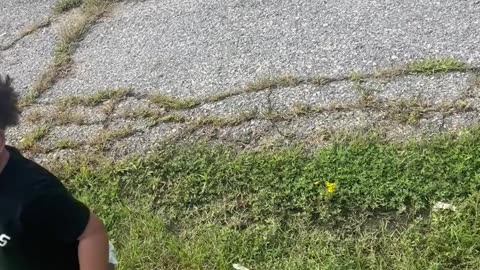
31, 177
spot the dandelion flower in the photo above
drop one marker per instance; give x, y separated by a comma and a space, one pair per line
330, 186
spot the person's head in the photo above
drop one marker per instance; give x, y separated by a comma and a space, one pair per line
9, 111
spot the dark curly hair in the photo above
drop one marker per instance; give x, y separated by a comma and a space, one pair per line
9, 111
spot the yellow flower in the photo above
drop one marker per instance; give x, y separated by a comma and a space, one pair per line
330, 186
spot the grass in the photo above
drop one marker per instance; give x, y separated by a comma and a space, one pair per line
64, 50
112, 94
62, 6
33, 116
66, 144
103, 139
30, 140
172, 103
68, 117
271, 82
407, 111
196, 206
435, 65
216, 121
357, 77
62, 116
320, 80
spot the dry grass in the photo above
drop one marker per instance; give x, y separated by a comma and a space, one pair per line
113, 94
216, 121
33, 116
68, 117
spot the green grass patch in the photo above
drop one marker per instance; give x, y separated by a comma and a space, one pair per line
435, 65
29, 141
207, 207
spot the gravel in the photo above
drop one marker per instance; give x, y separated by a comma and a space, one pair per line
196, 48
321, 96
26, 61
432, 88
78, 134
30, 56
143, 143
16, 15
233, 106
302, 127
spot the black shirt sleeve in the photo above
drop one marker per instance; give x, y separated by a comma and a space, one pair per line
54, 214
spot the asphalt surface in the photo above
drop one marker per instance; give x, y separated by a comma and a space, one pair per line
195, 49
16, 15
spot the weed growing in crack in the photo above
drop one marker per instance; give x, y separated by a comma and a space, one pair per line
33, 116
30, 140
300, 108
319, 80
407, 111
387, 73
102, 140
216, 121
435, 65
113, 94
367, 95
452, 107
68, 117
357, 77
66, 144
171, 103
175, 117
272, 82
222, 96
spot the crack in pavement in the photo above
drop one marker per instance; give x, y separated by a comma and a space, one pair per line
26, 33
